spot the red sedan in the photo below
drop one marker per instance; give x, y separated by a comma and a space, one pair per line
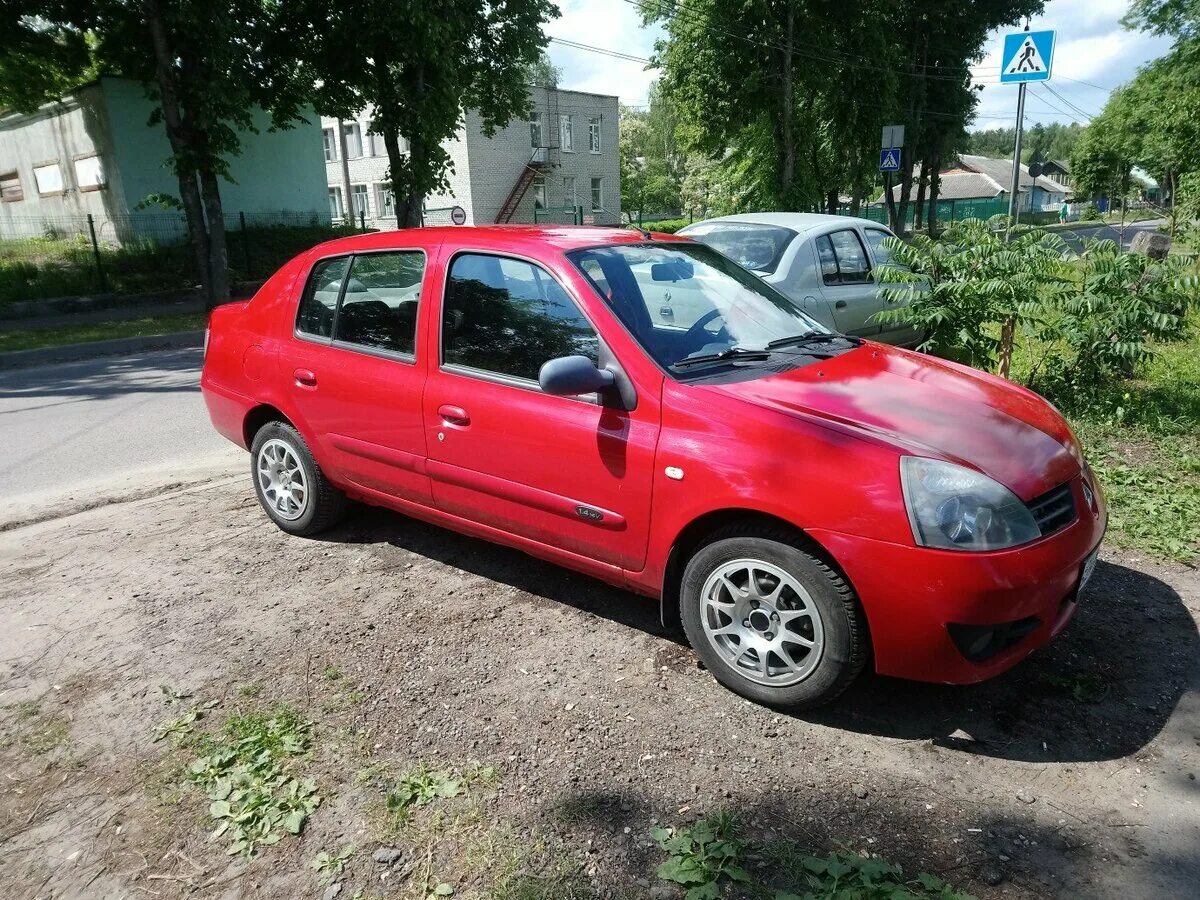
639, 408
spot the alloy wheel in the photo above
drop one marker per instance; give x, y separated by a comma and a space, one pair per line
762, 622
282, 480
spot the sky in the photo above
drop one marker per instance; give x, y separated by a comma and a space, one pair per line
1091, 47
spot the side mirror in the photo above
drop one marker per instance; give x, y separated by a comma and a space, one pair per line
569, 376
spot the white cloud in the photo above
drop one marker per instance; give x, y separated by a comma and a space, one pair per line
610, 25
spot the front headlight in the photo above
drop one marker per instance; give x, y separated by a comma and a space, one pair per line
955, 508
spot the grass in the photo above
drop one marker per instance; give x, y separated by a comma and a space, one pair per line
33, 339
1142, 438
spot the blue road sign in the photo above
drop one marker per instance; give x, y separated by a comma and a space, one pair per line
889, 159
1027, 56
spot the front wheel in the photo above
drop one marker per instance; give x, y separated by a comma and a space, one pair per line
770, 620
290, 485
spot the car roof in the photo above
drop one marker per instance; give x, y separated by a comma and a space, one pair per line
795, 221
511, 238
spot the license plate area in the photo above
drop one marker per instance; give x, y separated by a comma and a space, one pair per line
1089, 567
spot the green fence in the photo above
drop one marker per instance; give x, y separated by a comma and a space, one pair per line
947, 210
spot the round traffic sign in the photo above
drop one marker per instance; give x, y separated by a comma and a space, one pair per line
458, 215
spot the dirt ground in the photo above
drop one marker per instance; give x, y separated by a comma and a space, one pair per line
1074, 775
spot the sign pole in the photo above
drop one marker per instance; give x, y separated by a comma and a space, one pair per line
1014, 199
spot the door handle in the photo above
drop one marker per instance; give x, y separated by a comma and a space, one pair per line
305, 378
454, 415
841, 304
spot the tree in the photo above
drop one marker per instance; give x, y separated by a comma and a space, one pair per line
418, 66
207, 65
651, 165
797, 121
543, 73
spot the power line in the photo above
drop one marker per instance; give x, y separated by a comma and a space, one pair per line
1070, 103
1098, 87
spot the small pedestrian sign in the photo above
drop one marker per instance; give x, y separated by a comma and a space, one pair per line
889, 159
1027, 56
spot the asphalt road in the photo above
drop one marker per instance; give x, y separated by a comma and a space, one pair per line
104, 427
1076, 236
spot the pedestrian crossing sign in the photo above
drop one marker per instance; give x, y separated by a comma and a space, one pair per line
1027, 57
889, 159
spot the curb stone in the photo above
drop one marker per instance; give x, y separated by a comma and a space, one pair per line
22, 359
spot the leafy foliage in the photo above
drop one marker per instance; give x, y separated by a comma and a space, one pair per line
702, 856
954, 288
329, 866
851, 875
420, 787
246, 774
1125, 302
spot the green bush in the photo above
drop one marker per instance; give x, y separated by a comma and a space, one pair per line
1090, 214
1107, 326
665, 226
969, 291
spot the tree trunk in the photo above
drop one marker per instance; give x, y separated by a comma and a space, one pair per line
831, 202
1007, 336
935, 187
922, 184
787, 170
218, 254
347, 187
183, 146
391, 142
408, 208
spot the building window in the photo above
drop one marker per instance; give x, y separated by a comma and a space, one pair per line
385, 201
10, 188
354, 145
594, 135
331, 145
566, 135
569, 191
597, 194
535, 130
375, 144
48, 177
358, 195
539, 193
335, 203
89, 173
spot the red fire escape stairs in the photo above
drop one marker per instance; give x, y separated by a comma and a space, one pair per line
536, 165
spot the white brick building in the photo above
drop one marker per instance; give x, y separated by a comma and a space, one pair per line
564, 156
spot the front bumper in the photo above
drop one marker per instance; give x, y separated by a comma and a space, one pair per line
930, 610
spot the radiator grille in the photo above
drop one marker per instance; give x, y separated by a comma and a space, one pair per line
1053, 510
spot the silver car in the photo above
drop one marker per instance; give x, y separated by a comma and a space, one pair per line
826, 263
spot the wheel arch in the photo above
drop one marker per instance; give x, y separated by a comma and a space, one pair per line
259, 416
693, 536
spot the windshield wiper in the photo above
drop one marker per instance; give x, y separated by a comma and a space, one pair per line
812, 337
722, 355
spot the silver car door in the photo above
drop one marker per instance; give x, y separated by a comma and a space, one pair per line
846, 281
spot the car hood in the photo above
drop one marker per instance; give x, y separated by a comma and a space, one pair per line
925, 406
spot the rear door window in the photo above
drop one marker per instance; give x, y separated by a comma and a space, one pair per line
319, 303
379, 307
875, 239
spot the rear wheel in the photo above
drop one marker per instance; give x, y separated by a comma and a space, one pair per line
771, 620
290, 485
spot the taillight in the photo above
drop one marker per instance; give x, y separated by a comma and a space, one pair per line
207, 329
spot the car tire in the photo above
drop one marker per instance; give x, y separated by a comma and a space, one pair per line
290, 485
754, 591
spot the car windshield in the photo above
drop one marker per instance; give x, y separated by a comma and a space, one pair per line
683, 300
751, 246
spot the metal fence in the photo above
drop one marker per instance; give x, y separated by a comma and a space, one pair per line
61, 256
947, 210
